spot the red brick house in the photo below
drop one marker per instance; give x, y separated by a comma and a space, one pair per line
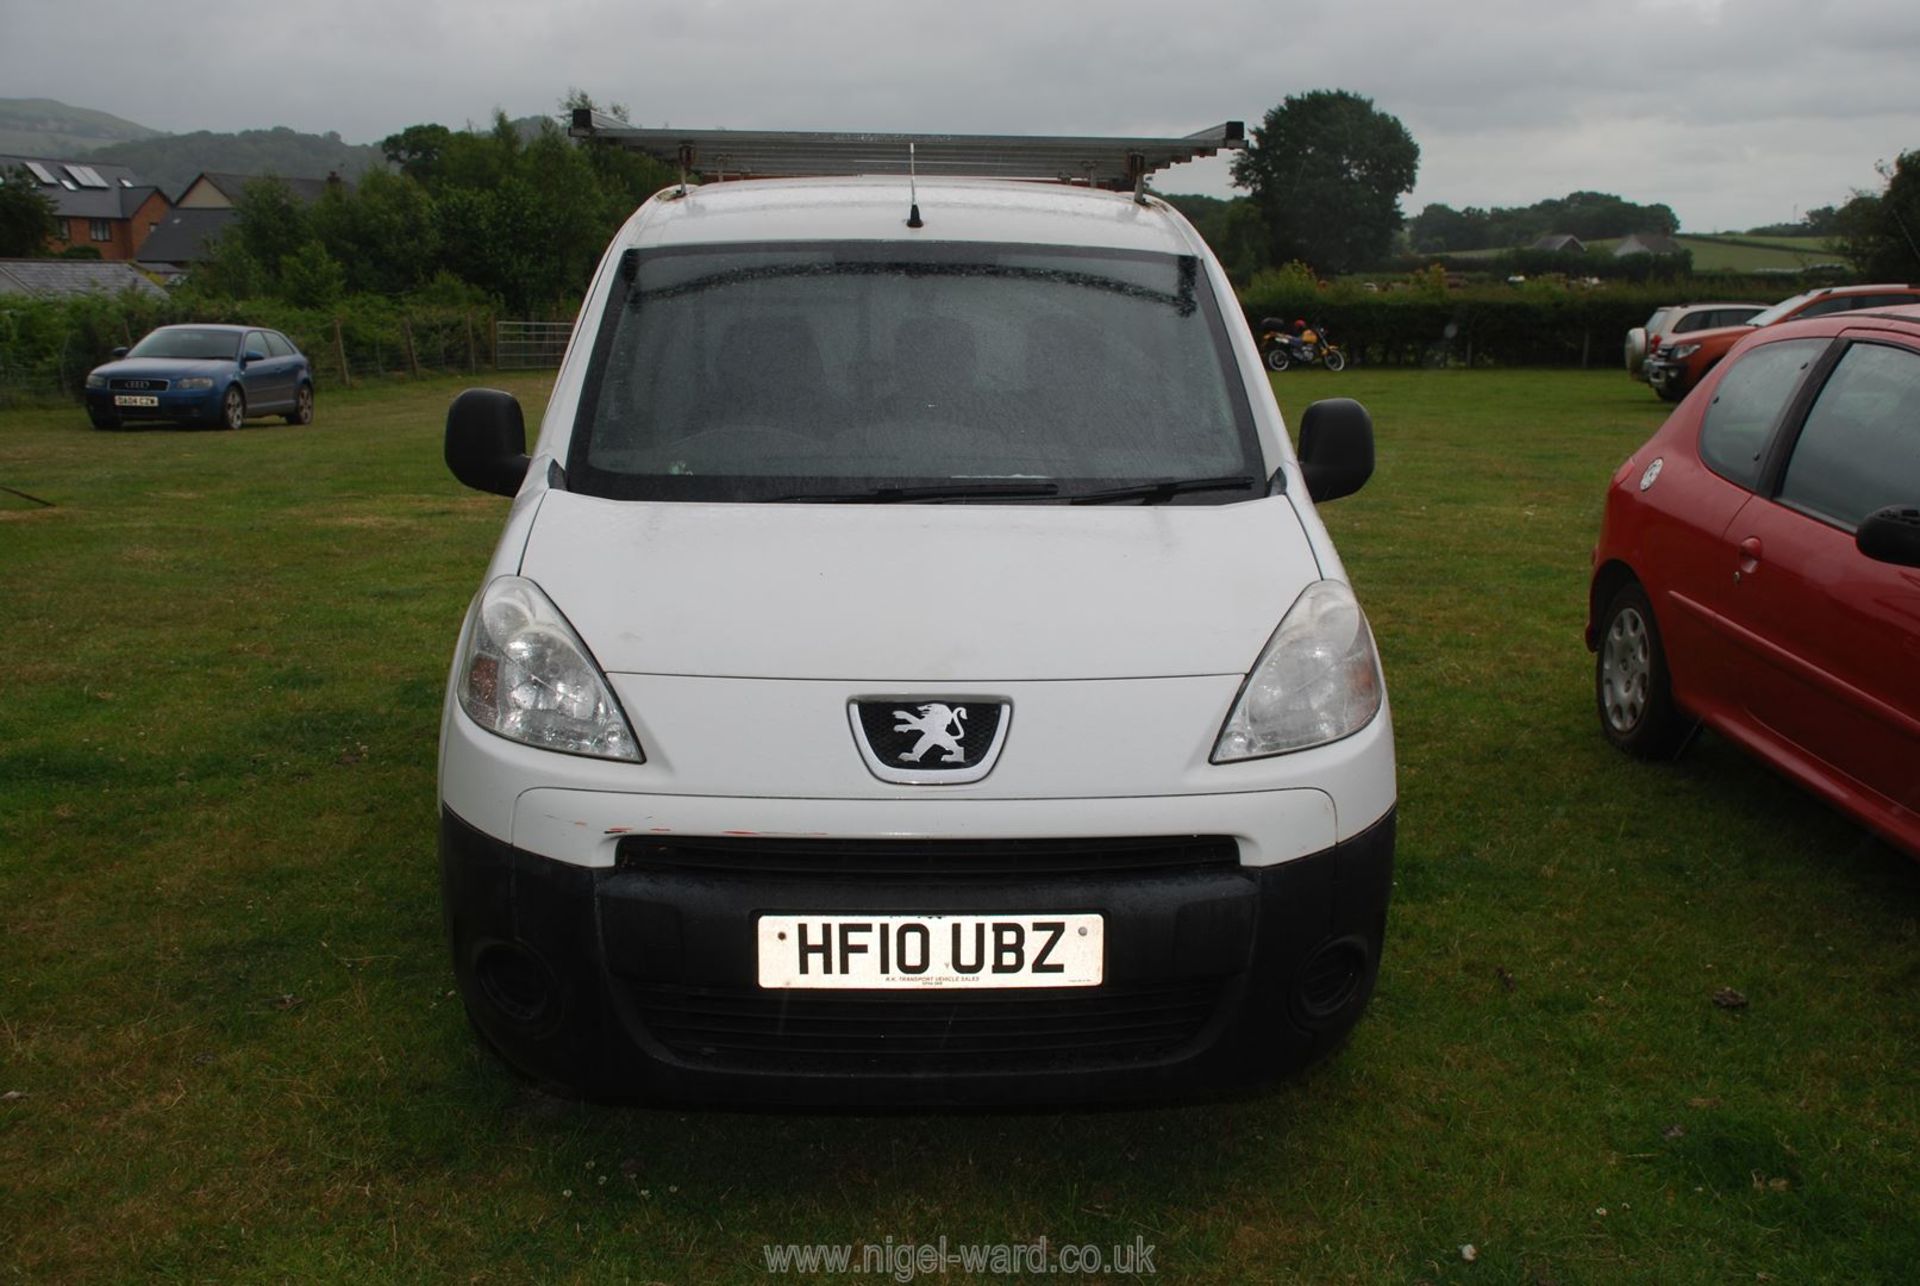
103, 206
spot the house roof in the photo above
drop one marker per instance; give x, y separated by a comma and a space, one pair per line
184, 236
233, 186
131, 199
59, 278
1647, 243
1558, 241
80, 190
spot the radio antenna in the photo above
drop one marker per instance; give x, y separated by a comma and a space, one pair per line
913, 191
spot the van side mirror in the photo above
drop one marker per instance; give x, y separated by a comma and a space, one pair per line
1336, 448
120, 351
1891, 535
487, 441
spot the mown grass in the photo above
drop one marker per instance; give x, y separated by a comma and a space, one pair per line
225, 1007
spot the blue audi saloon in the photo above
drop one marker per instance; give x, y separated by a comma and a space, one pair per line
218, 375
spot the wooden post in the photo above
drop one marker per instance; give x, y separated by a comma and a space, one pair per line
340, 351
1586, 345
126, 329
473, 363
413, 360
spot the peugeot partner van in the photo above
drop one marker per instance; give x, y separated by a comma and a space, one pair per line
912, 669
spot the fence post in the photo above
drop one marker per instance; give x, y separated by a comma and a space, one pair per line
413, 360
340, 352
1586, 346
472, 364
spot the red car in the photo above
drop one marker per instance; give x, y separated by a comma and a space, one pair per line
1758, 569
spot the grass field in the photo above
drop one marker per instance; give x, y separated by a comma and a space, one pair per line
230, 1051
1725, 252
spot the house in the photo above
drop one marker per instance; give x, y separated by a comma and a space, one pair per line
184, 238
1647, 243
103, 206
203, 212
63, 278
1560, 242
223, 191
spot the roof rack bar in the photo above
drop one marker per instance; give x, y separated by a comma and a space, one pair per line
1118, 164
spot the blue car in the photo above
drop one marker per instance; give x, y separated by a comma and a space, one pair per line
218, 375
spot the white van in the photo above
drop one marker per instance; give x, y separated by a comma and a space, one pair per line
913, 670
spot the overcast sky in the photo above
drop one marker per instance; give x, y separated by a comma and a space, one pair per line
1734, 112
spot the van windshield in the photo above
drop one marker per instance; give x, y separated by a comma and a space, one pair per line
945, 370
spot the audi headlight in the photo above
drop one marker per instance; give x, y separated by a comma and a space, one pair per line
96, 380
526, 675
193, 383
1318, 680
1683, 351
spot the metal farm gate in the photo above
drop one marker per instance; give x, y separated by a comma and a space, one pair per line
529, 346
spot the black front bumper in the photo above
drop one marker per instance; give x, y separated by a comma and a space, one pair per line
639, 982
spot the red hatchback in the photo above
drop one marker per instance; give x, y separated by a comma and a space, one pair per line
1757, 567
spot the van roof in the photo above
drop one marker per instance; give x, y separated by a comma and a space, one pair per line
876, 209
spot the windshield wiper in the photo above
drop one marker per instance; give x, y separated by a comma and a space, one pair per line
1156, 492
931, 491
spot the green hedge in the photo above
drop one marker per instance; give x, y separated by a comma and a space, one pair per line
1527, 325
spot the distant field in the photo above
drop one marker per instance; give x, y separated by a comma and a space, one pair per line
230, 1048
1757, 254
1726, 252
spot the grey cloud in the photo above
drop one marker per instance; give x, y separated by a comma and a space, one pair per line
1733, 111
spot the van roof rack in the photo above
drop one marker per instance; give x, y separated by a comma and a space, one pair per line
1116, 164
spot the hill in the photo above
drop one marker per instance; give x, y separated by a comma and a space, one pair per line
172, 160
47, 127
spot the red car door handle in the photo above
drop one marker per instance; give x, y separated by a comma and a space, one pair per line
1749, 557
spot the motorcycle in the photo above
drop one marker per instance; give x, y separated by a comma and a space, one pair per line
1282, 346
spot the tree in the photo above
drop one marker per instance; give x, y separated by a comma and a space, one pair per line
1326, 170
1881, 234
28, 218
310, 278
417, 149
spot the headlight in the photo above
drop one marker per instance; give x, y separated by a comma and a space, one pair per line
1683, 351
1317, 681
526, 675
193, 383
96, 380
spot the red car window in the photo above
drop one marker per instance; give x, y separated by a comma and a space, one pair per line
1860, 449
1739, 421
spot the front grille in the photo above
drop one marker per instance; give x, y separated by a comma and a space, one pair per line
873, 861
138, 386
748, 1029
912, 732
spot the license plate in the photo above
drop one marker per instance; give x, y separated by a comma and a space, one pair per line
135, 399
931, 951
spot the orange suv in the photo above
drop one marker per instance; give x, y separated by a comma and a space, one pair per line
1681, 360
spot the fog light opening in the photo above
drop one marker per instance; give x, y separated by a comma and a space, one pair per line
516, 981
1332, 978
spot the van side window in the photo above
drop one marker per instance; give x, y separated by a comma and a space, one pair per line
1860, 449
1739, 421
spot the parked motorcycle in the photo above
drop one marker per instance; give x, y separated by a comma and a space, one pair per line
1283, 345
